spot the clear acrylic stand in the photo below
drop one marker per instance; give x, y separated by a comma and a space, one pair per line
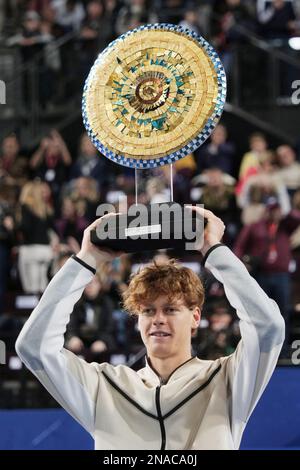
171, 184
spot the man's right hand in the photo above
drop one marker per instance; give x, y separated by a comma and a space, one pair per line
91, 254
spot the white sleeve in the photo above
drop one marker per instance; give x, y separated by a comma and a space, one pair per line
70, 380
262, 330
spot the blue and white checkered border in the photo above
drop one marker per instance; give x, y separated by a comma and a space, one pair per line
199, 139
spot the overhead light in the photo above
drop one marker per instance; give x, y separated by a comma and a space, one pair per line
294, 43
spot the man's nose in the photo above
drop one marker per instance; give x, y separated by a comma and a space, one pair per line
159, 318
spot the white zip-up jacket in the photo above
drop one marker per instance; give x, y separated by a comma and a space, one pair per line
203, 405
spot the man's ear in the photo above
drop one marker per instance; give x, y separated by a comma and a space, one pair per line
196, 317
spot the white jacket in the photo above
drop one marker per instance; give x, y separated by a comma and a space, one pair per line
204, 404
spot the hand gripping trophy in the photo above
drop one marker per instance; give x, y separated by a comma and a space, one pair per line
152, 97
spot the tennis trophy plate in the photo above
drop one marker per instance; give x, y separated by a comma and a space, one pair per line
152, 97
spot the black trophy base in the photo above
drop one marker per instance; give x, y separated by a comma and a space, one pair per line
149, 228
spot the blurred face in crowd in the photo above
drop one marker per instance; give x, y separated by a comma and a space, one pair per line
220, 319
267, 165
286, 155
258, 144
45, 191
110, 5
233, 3
82, 187
137, 3
219, 135
48, 14
191, 17
51, 146
10, 146
87, 149
166, 327
154, 186
93, 288
32, 24
215, 179
68, 208
94, 10
278, 4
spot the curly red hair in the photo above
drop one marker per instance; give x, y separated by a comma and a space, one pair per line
170, 279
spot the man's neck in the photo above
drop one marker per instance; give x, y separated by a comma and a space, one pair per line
164, 367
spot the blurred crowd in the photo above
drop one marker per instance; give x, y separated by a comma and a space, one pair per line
49, 194
47, 199
33, 27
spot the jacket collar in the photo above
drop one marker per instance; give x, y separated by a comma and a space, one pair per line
152, 375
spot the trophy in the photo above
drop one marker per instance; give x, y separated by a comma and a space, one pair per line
153, 96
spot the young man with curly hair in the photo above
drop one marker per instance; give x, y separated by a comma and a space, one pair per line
176, 401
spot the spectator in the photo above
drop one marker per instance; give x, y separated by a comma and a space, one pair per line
289, 168
257, 189
171, 11
259, 157
218, 153
36, 231
69, 14
71, 224
51, 161
218, 195
32, 41
222, 335
90, 330
89, 162
12, 164
156, 191
94, 35
183, 171
86, 196
233, 17
275, 19
191, 21
112, 8
133, 14
266, 248
256, 155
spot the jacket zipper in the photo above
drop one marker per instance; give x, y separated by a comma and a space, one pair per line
160, 419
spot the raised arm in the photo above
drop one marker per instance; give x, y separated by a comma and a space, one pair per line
70, 380
261, 324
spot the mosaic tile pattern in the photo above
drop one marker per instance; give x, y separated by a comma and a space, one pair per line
153, 96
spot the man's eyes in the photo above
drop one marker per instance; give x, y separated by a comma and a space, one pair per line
171, 309
147, 312
151, 312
